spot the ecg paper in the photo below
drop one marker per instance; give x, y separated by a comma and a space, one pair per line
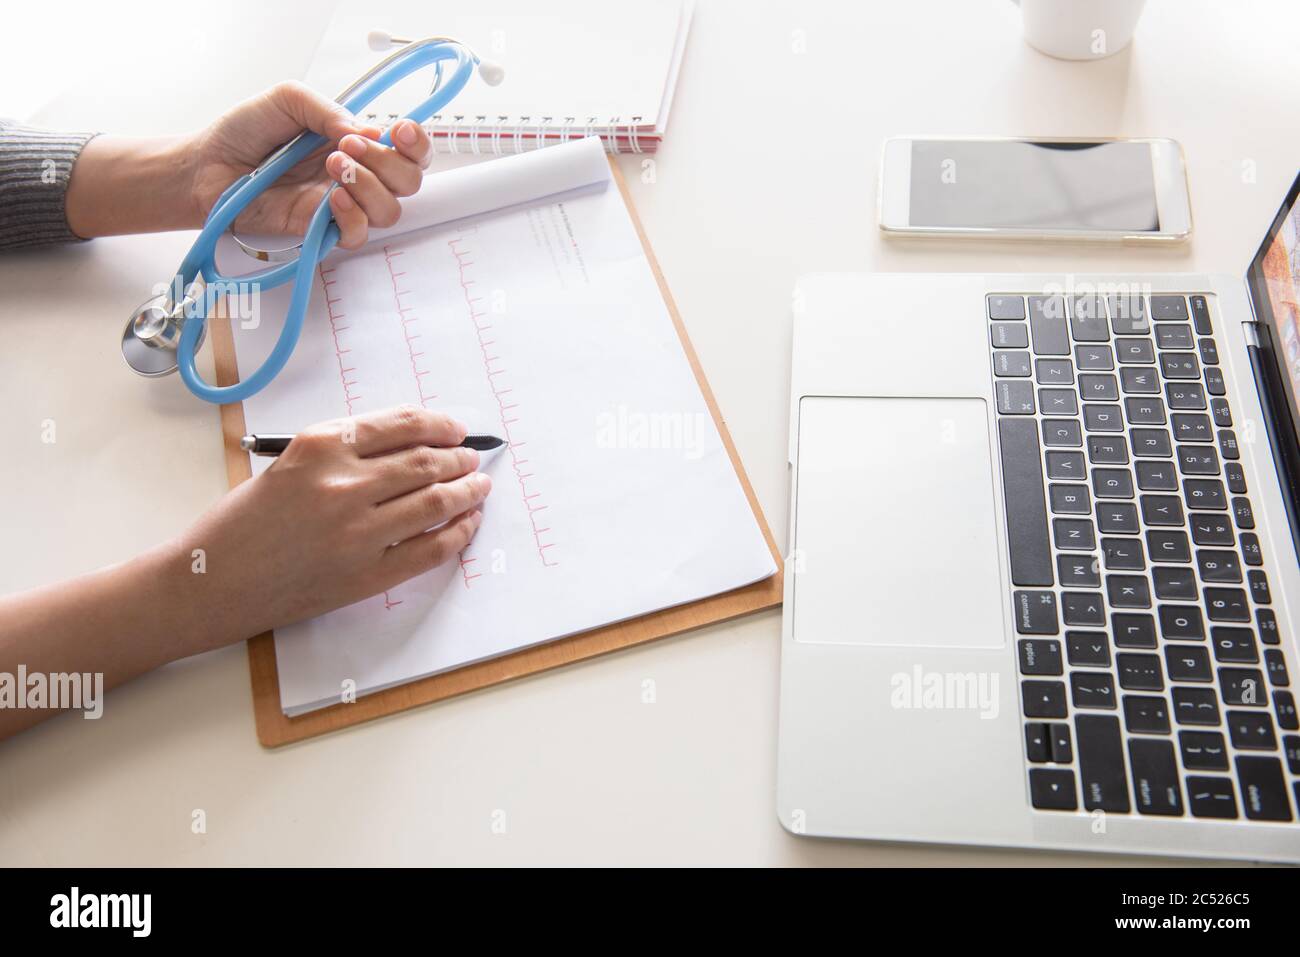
541, 322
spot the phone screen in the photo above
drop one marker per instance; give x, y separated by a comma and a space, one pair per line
1025, 185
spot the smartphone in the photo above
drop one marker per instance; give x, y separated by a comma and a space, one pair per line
1035, 188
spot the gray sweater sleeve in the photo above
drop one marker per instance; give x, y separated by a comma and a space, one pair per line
35, 166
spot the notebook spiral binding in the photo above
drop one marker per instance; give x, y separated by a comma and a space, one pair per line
480, 135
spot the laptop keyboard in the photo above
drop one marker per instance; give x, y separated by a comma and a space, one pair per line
1152, 677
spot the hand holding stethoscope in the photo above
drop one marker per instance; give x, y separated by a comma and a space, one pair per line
163, 335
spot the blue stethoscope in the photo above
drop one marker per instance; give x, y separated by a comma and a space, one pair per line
167, 330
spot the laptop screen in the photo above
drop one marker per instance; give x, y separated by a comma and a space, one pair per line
1274, 280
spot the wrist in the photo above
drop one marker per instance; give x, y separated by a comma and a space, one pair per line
125, 185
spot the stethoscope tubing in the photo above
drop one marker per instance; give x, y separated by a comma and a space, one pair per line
322, 233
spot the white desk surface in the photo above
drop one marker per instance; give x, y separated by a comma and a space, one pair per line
749, 191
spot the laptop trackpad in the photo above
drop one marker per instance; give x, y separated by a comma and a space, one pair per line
895, 524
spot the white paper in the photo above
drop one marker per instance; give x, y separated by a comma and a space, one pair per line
541, 322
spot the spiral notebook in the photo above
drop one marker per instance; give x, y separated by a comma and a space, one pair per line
574, 69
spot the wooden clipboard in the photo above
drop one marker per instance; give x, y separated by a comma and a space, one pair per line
274, 728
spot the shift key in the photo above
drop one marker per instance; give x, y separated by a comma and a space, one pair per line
1022, 487
1101, 762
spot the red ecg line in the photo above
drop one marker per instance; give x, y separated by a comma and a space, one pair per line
403, 315
532, 499
344, 372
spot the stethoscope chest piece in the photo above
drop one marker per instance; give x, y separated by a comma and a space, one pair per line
152, 335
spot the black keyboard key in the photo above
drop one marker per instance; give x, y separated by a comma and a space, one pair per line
1233, 645
1180, 365
1043, 699
1102, 418
1058, 401
1155, 777
1209, 352
1263, 791
1145, 410
1188, 663
1070, 500
1082, 608
1156, 476
1101, 763
1210, 529
1211, 797
1087, 649
1214, 383
1092, 689
1119, 518
1196, 706
1088, 319
1181, 623
1227, 604
1011, 363
1047, 325
1123, 554
1139, 380
1204, 493
1168, 308
1040, 656
1162, 510
1284, 708
1185, 395
1166, 546
1174, 583
1098, 386
1151, 442
1062, 433
1275, 665
1112, 483
1066, 466
1062, 746
1251, 553
1266, 622
1228, 447
1128, 591
1252, 731
1146, 714
1108, 450
1133, 630
1291, 745
1192, 427
1243, 687
1077, 571
1218, 566
1131, 351
1054, 372
1014, 397
1242, 513
1236, 477
1220, 412
1198, 460
1022, 485
1006, 307
1035, 612
1009, 335
1052, 789
1174, 336
1073, 534
1094, 358
1201, 315
1038, 747
1203, 750
1128, 315
1140, 672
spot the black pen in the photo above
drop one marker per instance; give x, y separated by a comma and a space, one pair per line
266, 444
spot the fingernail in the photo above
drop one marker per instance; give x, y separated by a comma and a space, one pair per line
406, 133
461, 427
476, 518
344, 200
484, 483
354, 146
471, 457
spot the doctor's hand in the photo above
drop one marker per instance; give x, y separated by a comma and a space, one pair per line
124, 185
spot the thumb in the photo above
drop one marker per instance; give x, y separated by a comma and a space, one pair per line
309, 110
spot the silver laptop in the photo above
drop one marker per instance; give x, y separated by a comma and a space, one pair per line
1043, 584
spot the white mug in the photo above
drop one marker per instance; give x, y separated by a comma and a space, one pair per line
1080, 29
